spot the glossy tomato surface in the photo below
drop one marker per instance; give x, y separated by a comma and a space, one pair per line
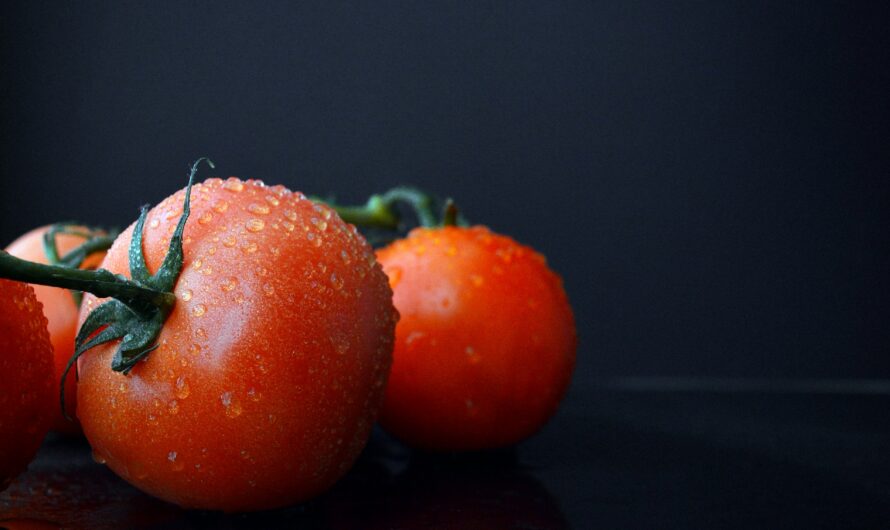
26, 378
61, 312
485, 347
269, 371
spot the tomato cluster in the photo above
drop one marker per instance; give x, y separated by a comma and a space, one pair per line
240, 340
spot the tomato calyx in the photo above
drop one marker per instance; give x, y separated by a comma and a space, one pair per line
139, 306
96, 239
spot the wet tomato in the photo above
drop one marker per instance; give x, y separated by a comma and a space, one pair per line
26, 378
485, 346
269, 370
61, 311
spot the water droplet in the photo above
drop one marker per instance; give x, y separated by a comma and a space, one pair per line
273, 200
268, 288
201, 333
228, 284
154, 223
99, 458
345, 257
254, 395
413, 336
289, 226
229, 241
336, 281
199, 310
152, 419
250, 247
255, 225
321, 225
186, 295
181, 388
260, 209
173, 407
291, 215
231, 404
175, 464
205, 218
197, 264
233, 184
220, 206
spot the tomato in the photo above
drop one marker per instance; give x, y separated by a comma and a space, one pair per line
26, 378
61, 311
485, 346
269, 370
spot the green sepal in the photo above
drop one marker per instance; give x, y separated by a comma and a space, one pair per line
134, 319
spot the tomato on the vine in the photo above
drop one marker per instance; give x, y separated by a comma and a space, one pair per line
61, 310
270, 369
485, 346
26, 378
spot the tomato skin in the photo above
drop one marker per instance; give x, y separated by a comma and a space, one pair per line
61, 313
485, 346
26, 378
271, 367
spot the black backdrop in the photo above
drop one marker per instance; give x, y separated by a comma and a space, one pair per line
711, 179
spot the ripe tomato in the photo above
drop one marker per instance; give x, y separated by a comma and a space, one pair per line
485, 347
26, 378
269, 371
61, 312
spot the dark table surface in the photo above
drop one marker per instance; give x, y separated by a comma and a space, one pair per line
625, 455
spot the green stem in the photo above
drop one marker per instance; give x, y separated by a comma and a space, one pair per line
420, 202
450, 214
77, 255
380, 212
100, 282
375, 213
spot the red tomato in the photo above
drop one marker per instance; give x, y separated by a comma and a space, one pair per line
271, 367
26, 378
485, 347
61, 313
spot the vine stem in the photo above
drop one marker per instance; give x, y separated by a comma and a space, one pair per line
380, 212
100, 282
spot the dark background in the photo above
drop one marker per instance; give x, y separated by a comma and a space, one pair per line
711, 179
